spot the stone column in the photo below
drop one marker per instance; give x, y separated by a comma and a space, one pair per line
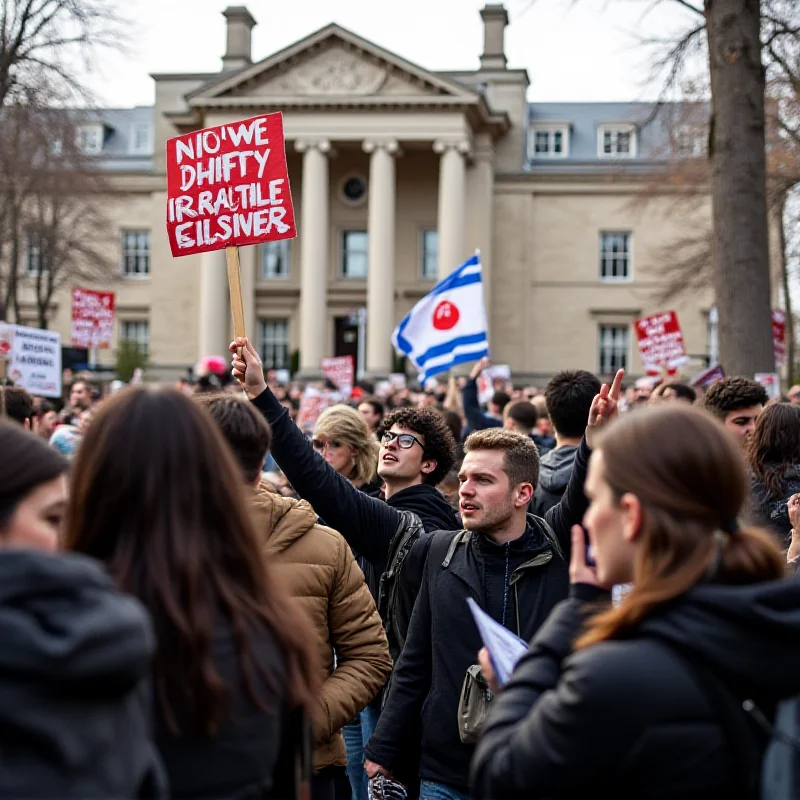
480, 212
314, 233
452, 204
381, 274
215, 309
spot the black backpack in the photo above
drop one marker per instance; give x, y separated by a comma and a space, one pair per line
408, 531
766, 756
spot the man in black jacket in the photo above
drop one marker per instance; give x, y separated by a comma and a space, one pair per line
514, 565
417, 451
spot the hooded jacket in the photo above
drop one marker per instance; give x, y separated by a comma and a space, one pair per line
629, 718
318, 569
74, 682
554, 471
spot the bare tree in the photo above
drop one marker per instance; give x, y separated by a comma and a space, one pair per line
42, 40
54, 231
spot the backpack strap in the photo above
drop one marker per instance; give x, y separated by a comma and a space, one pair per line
462, 537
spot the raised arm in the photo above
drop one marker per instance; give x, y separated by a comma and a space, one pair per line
476, 419
367, 524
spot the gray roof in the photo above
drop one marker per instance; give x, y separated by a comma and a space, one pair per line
653, 125
128, 137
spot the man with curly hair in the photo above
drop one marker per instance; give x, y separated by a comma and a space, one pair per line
417, 451
737, 402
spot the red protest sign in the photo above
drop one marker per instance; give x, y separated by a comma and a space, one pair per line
779, 336
341, 370
228, 186
92, 318
660, 341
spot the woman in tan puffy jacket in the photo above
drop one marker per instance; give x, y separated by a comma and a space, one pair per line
318, 568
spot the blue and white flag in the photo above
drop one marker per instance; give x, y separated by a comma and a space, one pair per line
448, 326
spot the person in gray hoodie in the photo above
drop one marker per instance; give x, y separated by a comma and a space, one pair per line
569, 396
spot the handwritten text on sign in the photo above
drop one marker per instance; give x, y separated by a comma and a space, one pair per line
35, 359
92, 318
660, 340
228, 186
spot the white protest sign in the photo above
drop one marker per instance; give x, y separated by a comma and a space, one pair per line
35, 359
505, 649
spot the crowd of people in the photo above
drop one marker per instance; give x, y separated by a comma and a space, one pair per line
208, 593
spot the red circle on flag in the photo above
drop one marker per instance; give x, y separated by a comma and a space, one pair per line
445, 316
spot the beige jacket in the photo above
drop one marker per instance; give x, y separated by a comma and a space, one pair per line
317, 567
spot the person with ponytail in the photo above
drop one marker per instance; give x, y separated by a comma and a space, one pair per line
639, 700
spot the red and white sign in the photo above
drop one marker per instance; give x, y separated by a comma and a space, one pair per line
660, 342
771, 381
708, 377
92, 318
779, 336
341, 370
228, 186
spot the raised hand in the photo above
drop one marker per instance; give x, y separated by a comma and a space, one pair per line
247, 367
479, 367
605, 407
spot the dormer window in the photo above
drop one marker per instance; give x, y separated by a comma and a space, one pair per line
548, 141
90, 138
141, 139
616, 141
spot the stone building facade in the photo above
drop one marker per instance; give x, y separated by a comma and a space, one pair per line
398, 174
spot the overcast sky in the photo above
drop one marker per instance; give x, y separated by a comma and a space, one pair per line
574, 50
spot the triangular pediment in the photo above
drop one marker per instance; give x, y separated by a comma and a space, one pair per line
333, 63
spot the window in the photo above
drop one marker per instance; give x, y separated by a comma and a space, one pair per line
354, 190
35, 246
616, 141
355, 250
549, 142
273, 343
274, 259
90, 139
691, 142
136, 253
613, 351
140, 140
137, 331
615, 256
430, 255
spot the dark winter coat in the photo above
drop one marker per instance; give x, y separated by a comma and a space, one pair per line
522, 581
771, 510
554, 471
629, 718
74, 682
252, 755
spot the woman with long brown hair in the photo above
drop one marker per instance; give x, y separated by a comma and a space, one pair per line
158, 497
773, 454
638, 700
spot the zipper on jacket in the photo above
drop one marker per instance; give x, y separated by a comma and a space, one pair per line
506, 584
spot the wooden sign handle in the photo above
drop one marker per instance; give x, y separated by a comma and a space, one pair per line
235, 287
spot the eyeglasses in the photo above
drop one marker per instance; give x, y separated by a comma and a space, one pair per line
321, 446
405, 441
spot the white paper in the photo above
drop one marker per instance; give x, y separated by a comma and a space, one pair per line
34, 359
505, 649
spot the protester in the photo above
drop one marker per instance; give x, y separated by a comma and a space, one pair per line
345, 441
158, 497
569, 395
736, 402
372, 410
513, 564
773, 454
417, 451
75, 660
679, 392
81, 398
320, 573
476, 419
643, 706
45, 418
794, 394
17, 405
66, 439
